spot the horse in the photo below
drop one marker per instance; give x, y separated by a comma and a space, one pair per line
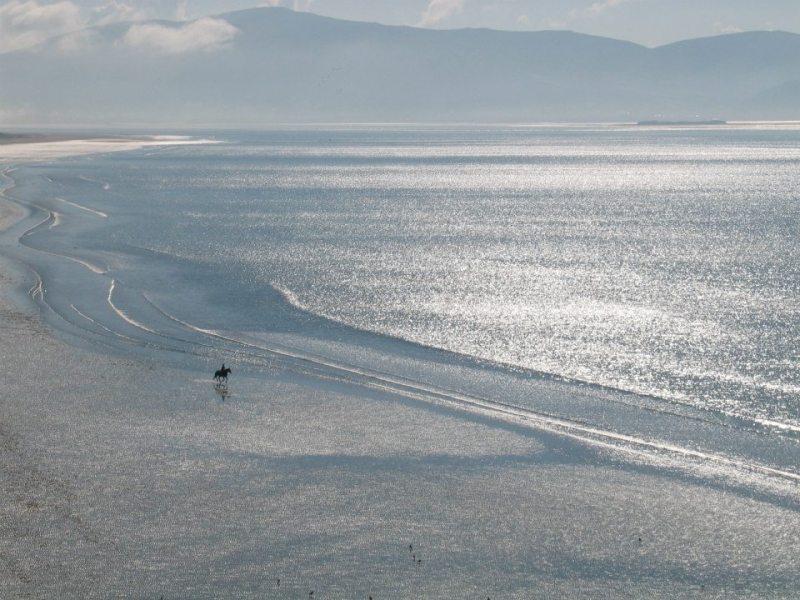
221, 375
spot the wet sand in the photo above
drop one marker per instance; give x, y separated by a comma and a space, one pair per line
126, 478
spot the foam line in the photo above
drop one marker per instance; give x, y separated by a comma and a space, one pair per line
90, 180
171, 318
55, 219
101, 326
37, 289
51, 220
121, 314
778, 425
98, 213
293, 300
42, 223
88, 265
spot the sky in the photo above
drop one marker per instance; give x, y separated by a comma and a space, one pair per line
648, 22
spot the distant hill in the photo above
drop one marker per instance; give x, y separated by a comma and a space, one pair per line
269, 65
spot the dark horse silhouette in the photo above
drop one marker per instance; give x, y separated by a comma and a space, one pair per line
221, 375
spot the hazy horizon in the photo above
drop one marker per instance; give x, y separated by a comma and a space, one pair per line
267, 66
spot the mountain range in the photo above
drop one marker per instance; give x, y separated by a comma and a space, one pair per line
270, 65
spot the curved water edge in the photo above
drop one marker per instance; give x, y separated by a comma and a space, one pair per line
124, 320
643, 401
286, 359
495, 408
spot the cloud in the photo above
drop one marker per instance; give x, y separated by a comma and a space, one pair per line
204, 35
596, 9
182, 11
440, 10
13, 115
602, 6
74, 42
299, 5
111, 12
27, 23
723, 28
114, 12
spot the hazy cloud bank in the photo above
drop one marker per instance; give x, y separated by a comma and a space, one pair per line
301, 5
203, 35
25, 23
440, 10
602, 6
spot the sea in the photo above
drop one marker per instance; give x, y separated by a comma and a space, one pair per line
654, 269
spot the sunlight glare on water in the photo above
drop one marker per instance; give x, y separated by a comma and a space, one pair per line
662, 266
659, 262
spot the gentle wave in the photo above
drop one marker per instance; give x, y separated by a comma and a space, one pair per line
670, 403
99, 213
100, 325
122, 314
51, 220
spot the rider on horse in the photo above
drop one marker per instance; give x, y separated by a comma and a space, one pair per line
222, 374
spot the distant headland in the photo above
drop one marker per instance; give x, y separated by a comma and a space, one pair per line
705, 122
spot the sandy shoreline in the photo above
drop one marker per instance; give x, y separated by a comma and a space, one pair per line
27, 148
126, 478
34, 150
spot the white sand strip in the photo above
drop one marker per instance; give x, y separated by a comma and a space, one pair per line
23, 150
50, 150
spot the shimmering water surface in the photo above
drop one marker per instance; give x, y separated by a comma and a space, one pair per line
660, 262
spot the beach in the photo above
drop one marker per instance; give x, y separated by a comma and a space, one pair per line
130, 476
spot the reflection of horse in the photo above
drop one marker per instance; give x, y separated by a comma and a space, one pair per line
222, 390
221, 375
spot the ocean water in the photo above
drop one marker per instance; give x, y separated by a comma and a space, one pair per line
662, 265
421, 322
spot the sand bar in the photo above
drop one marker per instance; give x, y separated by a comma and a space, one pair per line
49, 149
